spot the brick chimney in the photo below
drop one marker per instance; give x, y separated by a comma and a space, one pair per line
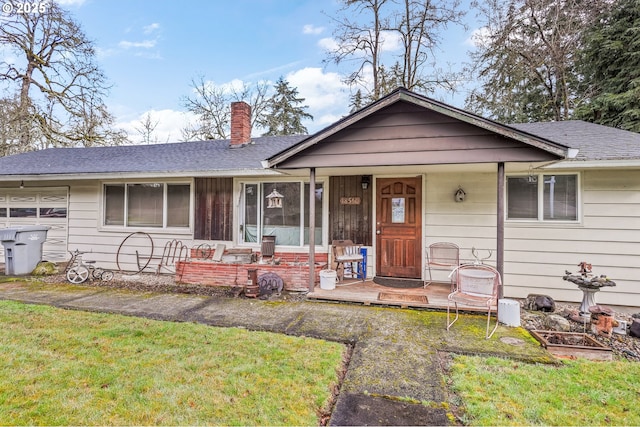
240, 124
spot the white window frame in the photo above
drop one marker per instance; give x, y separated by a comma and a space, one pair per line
260, 207
541, 202
164, 227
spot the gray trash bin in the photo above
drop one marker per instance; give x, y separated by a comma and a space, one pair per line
22, 248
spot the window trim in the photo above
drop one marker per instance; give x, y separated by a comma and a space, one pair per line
164, 228
541, 203
239, 228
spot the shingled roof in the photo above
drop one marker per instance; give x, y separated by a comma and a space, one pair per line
595, 142
194, 158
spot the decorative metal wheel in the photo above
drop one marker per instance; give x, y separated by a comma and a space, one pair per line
78, 274
106, 275
204, 251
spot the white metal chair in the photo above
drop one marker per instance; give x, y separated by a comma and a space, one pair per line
347, 255
442, 255
476, 285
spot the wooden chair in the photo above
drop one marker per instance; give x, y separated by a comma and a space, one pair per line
476, 285
442, 255
347, 254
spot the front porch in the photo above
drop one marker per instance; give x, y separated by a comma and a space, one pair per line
368, 292
293, 269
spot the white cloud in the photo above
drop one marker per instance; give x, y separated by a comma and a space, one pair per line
325, 94
390, 41
328, 44
312, 29
479, 37
169, 125
145, 44
148, 29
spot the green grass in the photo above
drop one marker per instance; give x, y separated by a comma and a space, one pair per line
497, 391
60, 367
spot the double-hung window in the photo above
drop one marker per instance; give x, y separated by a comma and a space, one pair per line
280, 209
157, 205
542, 197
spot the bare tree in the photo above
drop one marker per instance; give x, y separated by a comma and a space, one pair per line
365, 30
211, 105
59, 87
147, 128
360, 42
420, 24
9, 125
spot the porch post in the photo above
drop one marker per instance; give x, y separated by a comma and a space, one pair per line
312, 228
500, 226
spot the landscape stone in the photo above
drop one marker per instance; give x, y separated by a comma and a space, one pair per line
540, 303
554, 322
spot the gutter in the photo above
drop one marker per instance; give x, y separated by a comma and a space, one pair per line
594, 164
145, 175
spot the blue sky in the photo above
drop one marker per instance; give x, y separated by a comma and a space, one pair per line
150, 50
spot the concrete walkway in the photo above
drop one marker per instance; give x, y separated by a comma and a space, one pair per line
394, 365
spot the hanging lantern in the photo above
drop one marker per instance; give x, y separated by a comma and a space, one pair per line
274, 200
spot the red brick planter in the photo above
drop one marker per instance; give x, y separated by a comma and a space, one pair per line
206, 272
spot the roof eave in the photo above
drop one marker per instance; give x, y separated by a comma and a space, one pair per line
140, 175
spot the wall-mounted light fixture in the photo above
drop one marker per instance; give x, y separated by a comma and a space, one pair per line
460, 195
21, 184
366, 180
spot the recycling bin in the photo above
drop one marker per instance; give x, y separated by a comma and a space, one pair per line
22, 248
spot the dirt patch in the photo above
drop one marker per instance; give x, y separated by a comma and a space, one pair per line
360, 410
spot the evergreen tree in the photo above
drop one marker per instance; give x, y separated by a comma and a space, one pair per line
610, 63
356, 102
526, 62
283, 114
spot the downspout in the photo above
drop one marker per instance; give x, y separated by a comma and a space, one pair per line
312, 228
500, 227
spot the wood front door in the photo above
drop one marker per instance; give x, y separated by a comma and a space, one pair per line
399, 227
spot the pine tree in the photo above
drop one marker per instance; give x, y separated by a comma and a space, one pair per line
610, 63
284, 115
356, 102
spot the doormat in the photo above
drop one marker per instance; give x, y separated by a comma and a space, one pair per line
396, 282
390, 296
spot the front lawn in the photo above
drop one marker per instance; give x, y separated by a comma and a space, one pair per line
495, 391
62, 367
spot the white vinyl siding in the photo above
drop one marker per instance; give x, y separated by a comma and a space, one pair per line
608, 237
538, 253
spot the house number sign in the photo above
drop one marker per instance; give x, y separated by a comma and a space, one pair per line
349, 200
